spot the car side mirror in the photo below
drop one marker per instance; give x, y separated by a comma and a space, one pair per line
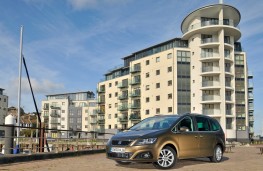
184, 129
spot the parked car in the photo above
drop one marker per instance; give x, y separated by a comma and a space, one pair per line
163, 139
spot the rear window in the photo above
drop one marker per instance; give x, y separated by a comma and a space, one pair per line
202, 124
215, 125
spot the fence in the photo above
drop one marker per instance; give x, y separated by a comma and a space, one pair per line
61, 140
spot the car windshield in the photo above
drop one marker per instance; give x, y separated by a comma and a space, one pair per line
155, 123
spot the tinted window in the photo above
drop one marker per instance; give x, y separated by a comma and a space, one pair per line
186, 122
202, 124
214, 125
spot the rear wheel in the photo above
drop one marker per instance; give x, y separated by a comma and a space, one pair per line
167, 158
218, 154
123, 162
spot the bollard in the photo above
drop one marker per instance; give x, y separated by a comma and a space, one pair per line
9, 134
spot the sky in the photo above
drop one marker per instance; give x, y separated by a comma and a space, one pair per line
70, 44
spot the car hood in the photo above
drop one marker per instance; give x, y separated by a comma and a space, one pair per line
136, 134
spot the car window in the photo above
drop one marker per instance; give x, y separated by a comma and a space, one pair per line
186, 122
214, 125
202, 124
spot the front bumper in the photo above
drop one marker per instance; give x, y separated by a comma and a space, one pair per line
143, 153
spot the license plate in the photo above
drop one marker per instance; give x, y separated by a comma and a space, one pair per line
117, 150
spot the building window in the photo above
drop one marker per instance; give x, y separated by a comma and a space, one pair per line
79, 112
147, 99
109, 105
157, 59
147, 62
109, 84
157, 110
170, 96
63, 119
86, 118
157, 85
110, 95
158, 72
109, 116
63, 103
157, 98
147, 75
193, 81
62, 126
70, 120
170, 83
147, 112
115, 115
147, 87
78, 120
63, 111
116, 105
169, 56
169, 69
116, 126
109, 126
170, 109
116, 83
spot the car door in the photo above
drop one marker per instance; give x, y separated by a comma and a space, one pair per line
187, 139
206, 136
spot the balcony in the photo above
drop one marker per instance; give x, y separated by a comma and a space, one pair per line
229, 112
101, 90
101, 101
135, 117
211, 111
135, 69
101, 111
123, 85
135, 81
123, 107
228, 98
93, 121
210, 27
123, 97
55, 106
209, 40
210, 83
55, 121
123, 119
101, 121
206, 56
55, 115
210, 69
135, 106
211, 98
135, 93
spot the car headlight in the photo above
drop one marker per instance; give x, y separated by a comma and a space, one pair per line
146, 141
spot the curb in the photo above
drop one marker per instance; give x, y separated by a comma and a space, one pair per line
6, 159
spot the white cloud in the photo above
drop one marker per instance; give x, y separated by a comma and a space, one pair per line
82, 4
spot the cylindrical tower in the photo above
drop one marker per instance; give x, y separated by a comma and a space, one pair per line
211, 32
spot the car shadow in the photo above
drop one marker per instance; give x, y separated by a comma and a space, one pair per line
180, 163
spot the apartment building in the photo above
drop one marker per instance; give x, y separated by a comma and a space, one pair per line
204, 71
70, 111
3, 109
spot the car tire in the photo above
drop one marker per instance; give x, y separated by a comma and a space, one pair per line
167, 158
218, 154
123, 162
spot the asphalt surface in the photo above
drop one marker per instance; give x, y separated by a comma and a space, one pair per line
239, 159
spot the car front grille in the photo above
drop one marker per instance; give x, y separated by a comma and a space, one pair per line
121, 142
120, 155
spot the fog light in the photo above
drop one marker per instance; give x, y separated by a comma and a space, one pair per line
144, 155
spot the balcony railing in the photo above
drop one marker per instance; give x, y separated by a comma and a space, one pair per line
123, 107
210, 69
136, 93
123, 85
101, 101
209, 23
135, 106
123, 97
101, 111
210, 97
101, 121
135, 117
228, 98
228, 84
135, 69
209, 55
123, 119
210, 83
135, 81
209, 40
55, 106
101, 90
211, 111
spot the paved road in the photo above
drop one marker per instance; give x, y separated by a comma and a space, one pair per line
240, 159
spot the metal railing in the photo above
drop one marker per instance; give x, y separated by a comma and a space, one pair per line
54, 141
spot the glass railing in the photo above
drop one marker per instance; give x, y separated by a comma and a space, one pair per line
209, 23
210, 69
209, 40
210, 83
210, 97
209, 55
211, 111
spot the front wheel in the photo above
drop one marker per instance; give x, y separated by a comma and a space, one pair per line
167, 158
218, 154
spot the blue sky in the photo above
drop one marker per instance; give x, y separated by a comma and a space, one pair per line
70, 44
